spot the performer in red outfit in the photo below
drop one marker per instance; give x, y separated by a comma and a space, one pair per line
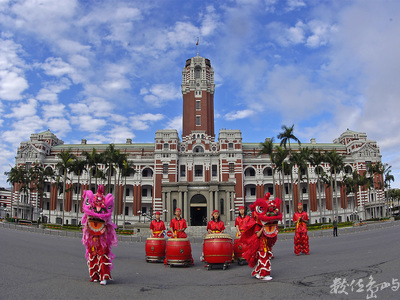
241, 221
260, 235
301, 236
178, 225
157, 227
215, 225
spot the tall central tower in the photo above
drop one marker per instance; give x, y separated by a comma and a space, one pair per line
198, 97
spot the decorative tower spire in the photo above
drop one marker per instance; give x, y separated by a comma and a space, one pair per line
198, 96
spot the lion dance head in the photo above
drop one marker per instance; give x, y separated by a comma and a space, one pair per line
267, 214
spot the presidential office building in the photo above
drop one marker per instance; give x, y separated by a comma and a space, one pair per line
199, 172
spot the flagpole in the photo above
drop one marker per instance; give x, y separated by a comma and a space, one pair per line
197, 44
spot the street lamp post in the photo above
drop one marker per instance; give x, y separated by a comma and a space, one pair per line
140, 213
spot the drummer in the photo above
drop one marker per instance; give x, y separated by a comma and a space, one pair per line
178, 225
215, 225
157, 226
241, 221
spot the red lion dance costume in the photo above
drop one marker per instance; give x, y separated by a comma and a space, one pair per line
98, 234
301, 237
260, 235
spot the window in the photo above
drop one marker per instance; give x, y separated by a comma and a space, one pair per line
144, 192
197, 72
270, 190
198, 123
165, 169
214, 170
126, 210
166, 146
222, 206
230, 146
198, 107
304, 190
252, 191
198, 149
61, 207
174, 204
183, 170
231, 168
198, 170
127, 192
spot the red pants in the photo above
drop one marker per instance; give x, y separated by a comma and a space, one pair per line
99, 267
263, 266
301, 243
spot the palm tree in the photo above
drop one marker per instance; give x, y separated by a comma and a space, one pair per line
38, 177
93, 159
67, 159
285, 136
268, 148
352, 184
119, 159
12, 179
109, 159
388, 178
316, 159
297, 159
126, 171
279, 157
78, 167
336, 165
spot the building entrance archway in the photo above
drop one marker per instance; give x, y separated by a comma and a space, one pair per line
198, 210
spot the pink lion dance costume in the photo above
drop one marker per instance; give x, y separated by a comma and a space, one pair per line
98, 234
260, 235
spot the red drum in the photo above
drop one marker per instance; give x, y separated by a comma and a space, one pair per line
179, 252
238, 249
217, 248
155, 249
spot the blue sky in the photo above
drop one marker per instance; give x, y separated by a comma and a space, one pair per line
111, 70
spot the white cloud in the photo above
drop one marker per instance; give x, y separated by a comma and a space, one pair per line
88, 122
60, 126
23, 110
51, 90
175, 123
240, 114
119, 134
160, 93
21, 130
11, 85
55, 66
295, 4
143, 122
12, 80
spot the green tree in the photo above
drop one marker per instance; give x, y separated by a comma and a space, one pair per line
93, 160
78, 167
336, 165
64, 165
279, 157
127, 170
316, 159
286, 136
268, 148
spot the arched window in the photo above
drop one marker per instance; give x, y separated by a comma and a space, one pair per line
197, 72
198, 149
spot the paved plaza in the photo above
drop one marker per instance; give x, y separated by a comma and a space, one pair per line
362, 264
